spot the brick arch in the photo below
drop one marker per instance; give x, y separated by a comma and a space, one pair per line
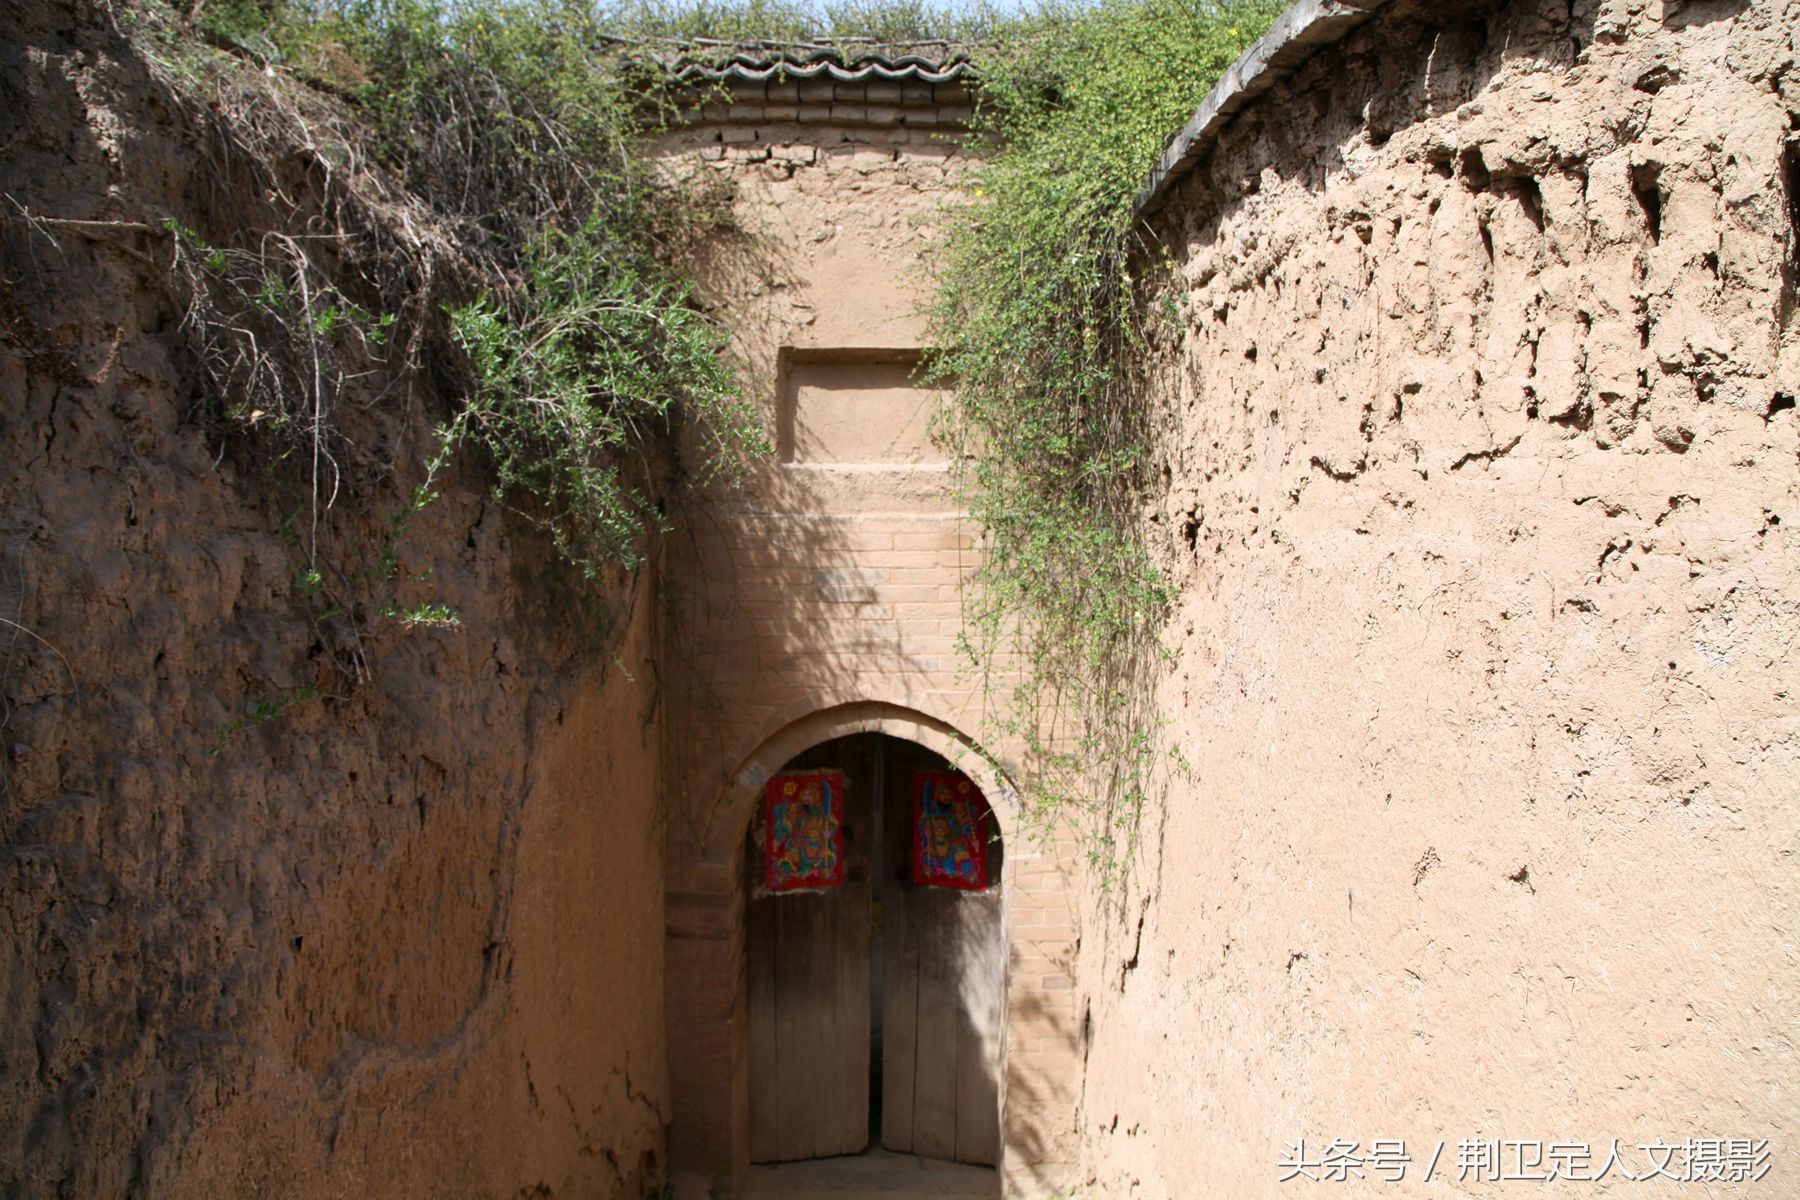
705, 979
793, 735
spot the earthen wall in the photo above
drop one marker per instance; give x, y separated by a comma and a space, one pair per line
1476, 370
290, 907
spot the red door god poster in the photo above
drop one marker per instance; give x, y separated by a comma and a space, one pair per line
950, 831
803, 830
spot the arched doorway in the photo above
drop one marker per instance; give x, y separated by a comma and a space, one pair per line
875, 955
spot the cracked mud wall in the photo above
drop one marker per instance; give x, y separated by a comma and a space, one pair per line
403, 938
1478, 368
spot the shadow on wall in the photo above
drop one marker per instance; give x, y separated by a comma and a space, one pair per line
277, 924
787, 611
736, 258
1039, 1101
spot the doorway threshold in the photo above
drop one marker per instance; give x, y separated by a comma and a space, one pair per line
879, 1172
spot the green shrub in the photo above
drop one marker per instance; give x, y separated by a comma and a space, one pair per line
599, 327
515, 131
521, 124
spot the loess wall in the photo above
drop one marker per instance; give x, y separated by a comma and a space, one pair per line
402, 938
1476, 370
1477, 362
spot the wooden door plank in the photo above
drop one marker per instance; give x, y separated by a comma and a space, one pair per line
849, 1094
900, 987
935, 1069
760, 948
944, 1010
899, 1020
979, 1030
845, 1126
810, 957
799, 1043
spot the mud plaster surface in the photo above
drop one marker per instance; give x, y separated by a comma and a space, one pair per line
402, 941
1480, 455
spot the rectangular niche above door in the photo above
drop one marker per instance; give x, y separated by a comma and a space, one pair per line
853, 433
850, 407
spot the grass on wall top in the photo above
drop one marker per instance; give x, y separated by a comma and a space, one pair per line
520, 125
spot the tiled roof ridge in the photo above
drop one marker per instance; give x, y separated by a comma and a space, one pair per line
906, 67
839, 59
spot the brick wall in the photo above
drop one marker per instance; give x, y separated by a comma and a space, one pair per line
824, 596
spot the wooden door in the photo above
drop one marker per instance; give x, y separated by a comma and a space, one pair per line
944, 980
808, 960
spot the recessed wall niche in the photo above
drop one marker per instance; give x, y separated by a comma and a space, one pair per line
855, 408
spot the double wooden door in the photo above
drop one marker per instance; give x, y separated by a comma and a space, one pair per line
825, 1039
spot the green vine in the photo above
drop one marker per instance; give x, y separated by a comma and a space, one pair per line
268, 708
1034, 319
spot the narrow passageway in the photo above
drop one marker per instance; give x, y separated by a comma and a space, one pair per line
877, 1173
